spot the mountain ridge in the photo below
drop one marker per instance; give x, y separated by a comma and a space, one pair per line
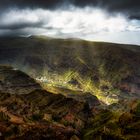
105, 68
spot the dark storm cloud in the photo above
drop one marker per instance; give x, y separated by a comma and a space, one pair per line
129, 7
31, 3
17, 26
102, 20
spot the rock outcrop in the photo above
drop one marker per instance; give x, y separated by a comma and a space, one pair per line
29, 112
16, 82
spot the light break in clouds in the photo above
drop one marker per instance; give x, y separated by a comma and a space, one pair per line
87, 23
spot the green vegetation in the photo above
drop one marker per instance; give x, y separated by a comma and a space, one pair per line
102, 89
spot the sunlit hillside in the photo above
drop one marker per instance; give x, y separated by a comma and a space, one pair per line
109, 71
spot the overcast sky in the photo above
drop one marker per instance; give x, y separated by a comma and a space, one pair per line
98, 20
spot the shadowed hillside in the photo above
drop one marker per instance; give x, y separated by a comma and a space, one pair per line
109, 71
38, 114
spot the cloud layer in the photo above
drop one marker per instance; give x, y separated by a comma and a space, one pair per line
128, 7
88, 23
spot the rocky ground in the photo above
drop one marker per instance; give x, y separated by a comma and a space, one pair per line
68, 89
37, 114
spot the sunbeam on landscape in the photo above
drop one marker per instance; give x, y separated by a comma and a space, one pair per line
69, 70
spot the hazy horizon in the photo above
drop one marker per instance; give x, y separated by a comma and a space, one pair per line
109, 21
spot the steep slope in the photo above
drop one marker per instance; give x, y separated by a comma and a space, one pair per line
36, 113
40, 114
16, 82
109, 71
115, 125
